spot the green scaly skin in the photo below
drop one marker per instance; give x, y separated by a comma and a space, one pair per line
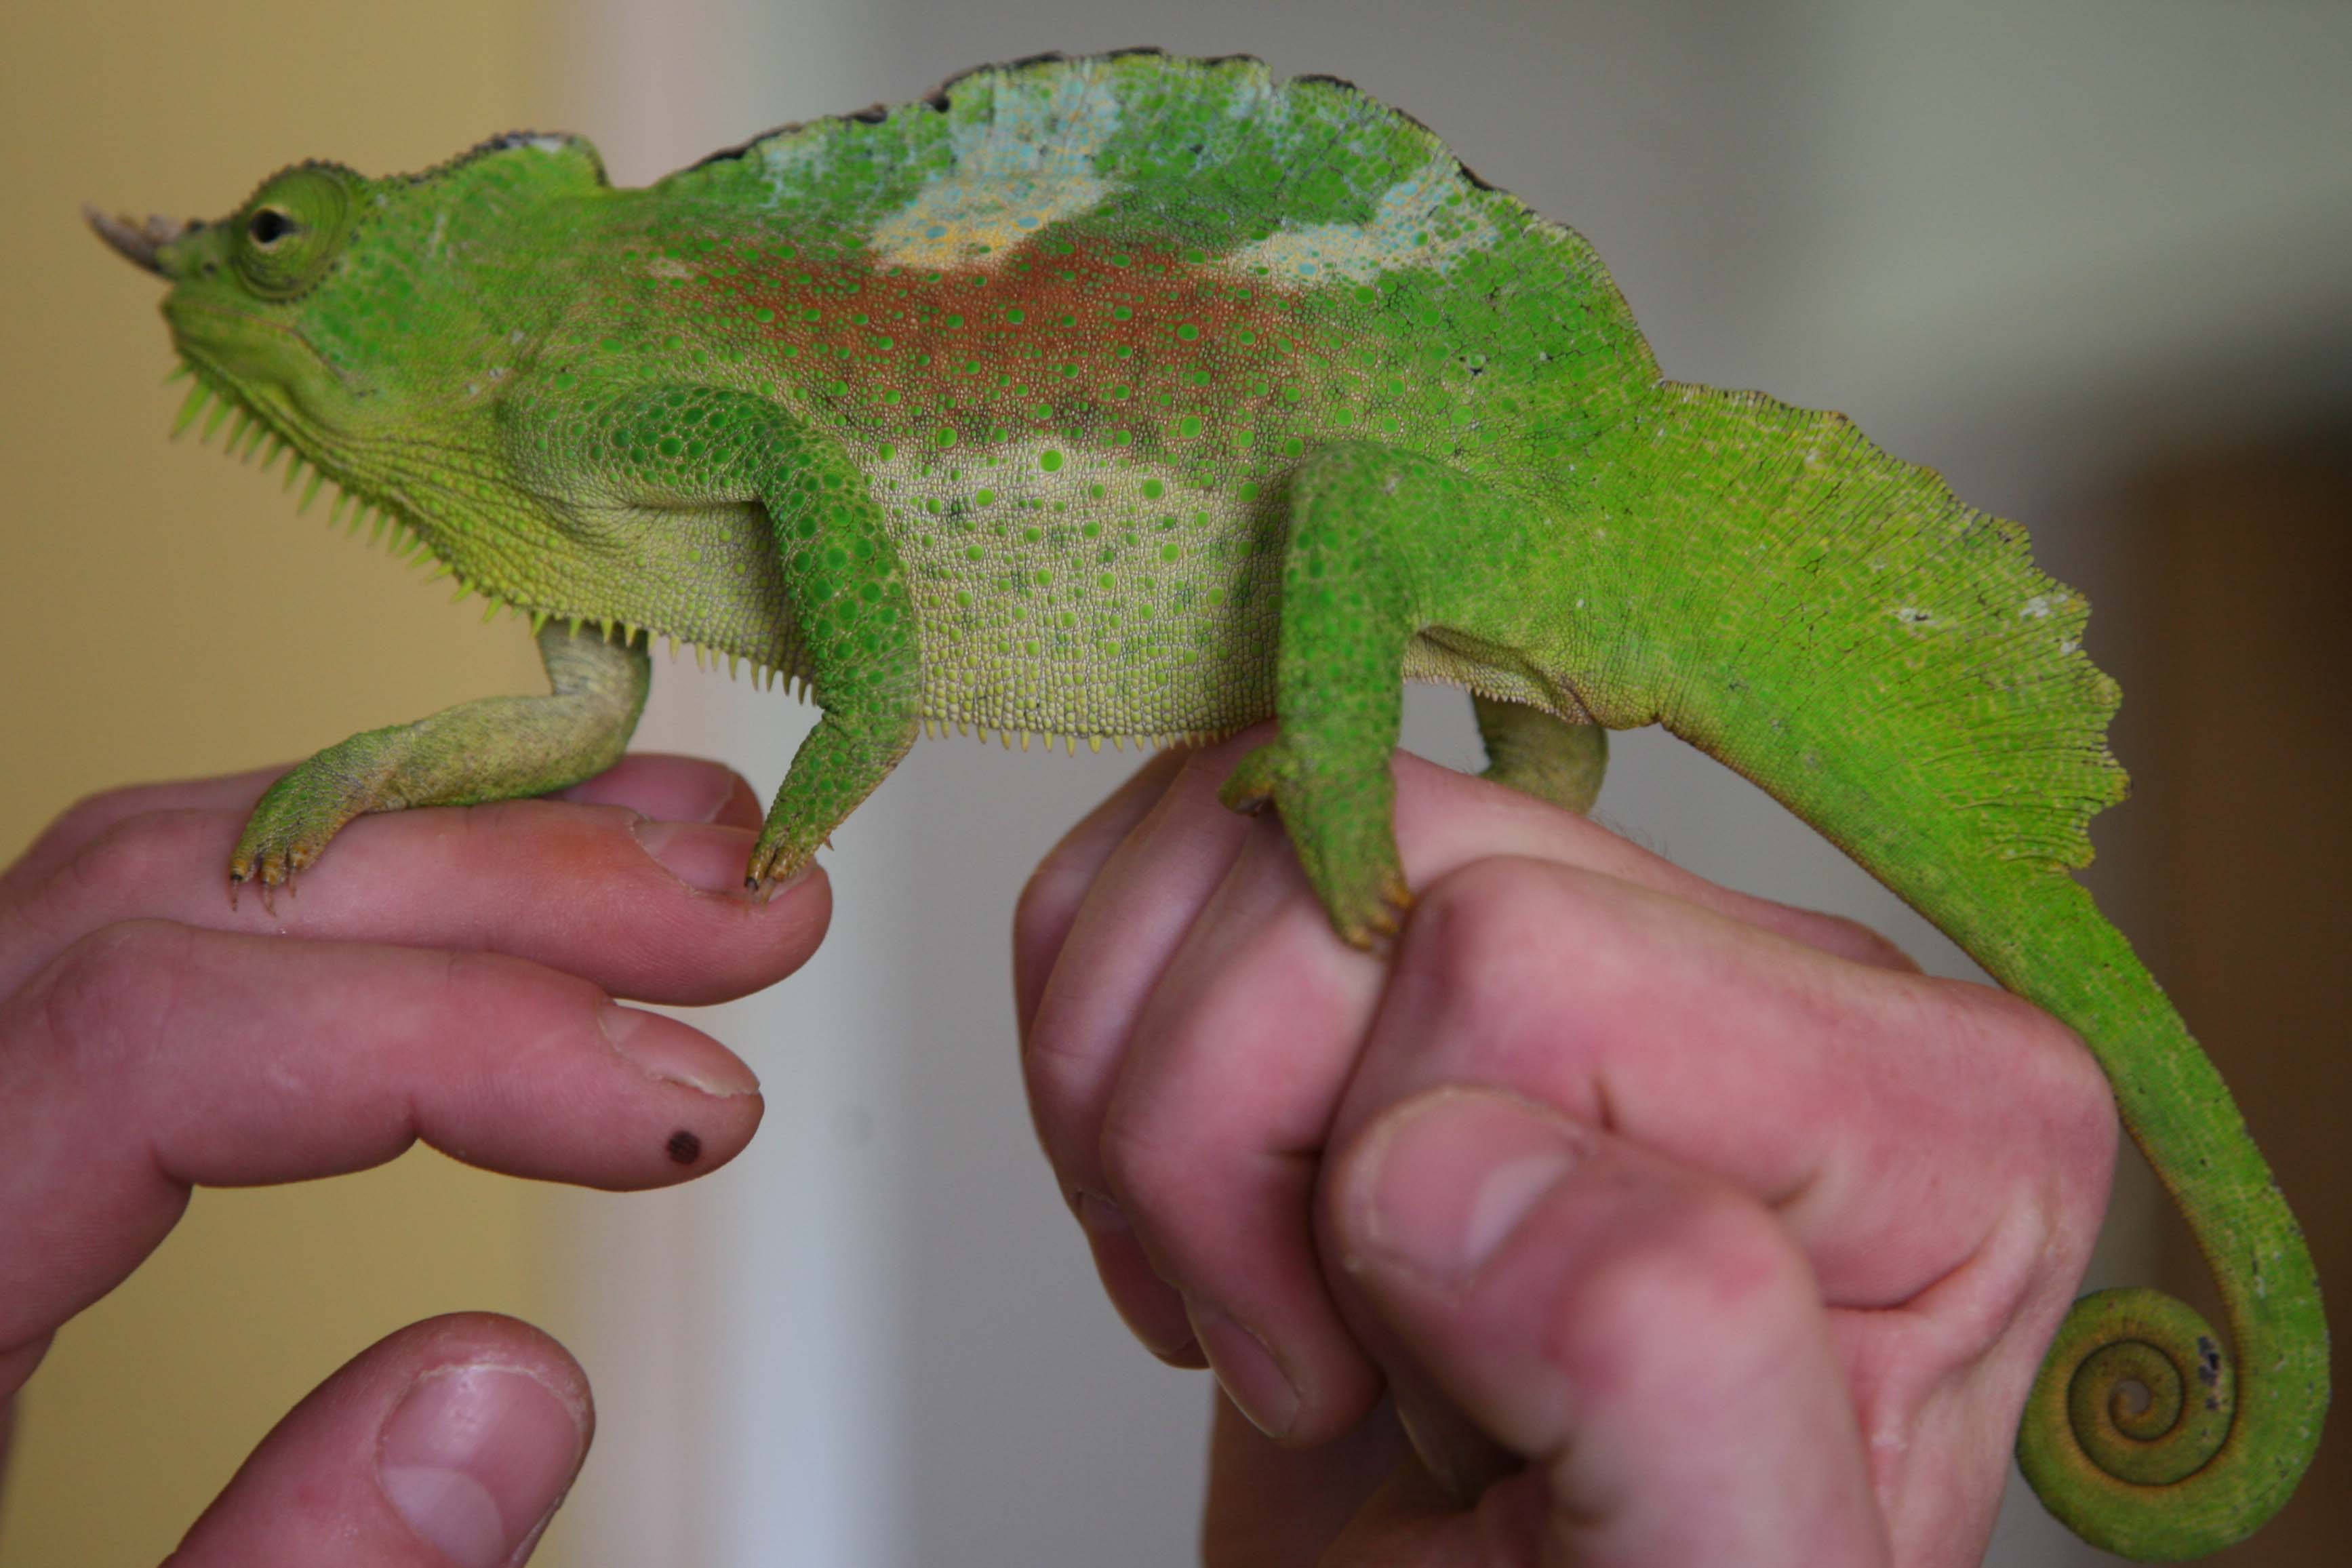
1143, 397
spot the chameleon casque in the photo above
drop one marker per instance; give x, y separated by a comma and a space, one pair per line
1145, 397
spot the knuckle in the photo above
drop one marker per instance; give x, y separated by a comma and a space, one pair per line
2055, 1073
136, 853
1146, 1171
1861, 943
1495, 912
113, 993
1481, 959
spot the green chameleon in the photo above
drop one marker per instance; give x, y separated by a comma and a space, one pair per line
1139, 397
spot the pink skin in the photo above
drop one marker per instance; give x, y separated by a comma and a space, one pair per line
448, 976
1681, 1227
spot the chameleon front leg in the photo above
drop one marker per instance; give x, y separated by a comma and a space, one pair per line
857, 622
667, 448
494, 749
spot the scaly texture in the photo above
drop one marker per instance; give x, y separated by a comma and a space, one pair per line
1145, 397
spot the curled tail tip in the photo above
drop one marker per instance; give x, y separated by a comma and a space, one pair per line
2137, 1435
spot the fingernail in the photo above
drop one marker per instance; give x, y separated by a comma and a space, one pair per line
476, 1458
706, 859
714, 788
665, 1049
1448, 1177
1252, 1378
1141, 1297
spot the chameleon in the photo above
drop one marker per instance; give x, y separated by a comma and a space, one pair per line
1144, 397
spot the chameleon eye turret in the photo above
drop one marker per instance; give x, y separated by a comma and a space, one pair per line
290, 230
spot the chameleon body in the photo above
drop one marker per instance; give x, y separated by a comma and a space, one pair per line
1146, 397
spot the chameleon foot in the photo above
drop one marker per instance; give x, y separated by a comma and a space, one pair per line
1339, 821
290, 829
776, 860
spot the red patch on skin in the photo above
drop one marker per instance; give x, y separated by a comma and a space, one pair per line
983, 349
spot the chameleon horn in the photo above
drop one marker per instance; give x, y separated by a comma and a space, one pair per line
137, 243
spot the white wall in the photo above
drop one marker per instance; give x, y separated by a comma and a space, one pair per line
2017, 241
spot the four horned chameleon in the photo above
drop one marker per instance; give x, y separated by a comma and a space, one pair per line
1144, 397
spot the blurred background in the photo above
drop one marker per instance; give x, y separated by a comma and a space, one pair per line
2085, 256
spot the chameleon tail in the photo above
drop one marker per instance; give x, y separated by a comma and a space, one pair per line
1954, 747
2221, 1437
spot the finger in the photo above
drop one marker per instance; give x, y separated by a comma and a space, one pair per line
1647, 1337
667, 788
1894, 1119
93, 814
1135, 913
1049, 903
152, 1058
644, 908
670, 788
1212, 1143
1269, 1506
446, 1445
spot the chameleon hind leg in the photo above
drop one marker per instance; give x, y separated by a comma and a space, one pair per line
494, 749
1362, 521
1542, 754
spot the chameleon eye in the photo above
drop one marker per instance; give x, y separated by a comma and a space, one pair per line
293, 230
269, 226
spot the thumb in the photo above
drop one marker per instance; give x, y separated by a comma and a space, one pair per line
1649, 1339
446, 1445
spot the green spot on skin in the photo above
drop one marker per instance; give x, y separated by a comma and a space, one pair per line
1190, 425
1050, 461
945, 436
983, 498
1153, 489
1187, 331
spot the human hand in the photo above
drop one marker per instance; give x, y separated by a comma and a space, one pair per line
446, 974
1679, 1227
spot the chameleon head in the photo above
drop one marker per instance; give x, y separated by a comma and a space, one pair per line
335, 311
244, 293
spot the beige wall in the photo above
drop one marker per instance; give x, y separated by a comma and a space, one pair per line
162, 612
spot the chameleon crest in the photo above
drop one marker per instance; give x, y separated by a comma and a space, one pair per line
1141, 397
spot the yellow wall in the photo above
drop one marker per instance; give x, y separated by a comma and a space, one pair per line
164, 614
